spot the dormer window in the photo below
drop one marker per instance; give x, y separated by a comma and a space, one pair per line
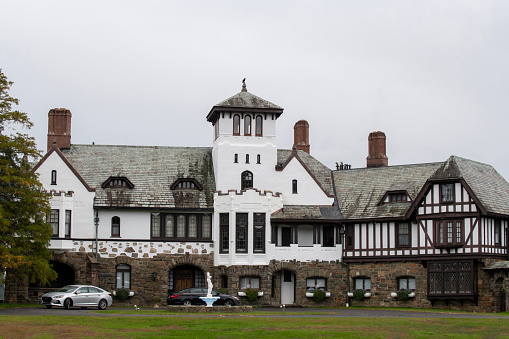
397, 197
186, 184
117, 182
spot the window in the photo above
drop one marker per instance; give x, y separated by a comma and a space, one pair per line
316, 283
259, 126
406, 283
236, 158
115, 227
397, 197
67, 223
54, 221
249, 282
236, 124
247, 125
259, 233
224, 233
498, 232
181, 226
446, 193
247, 158
350, 236
216, 129
241, 232
246, 180
328, 236
403, 234
294, 186
53, 177
450, 278
123, 276
362, 284
258, 159
117, 182
448, 233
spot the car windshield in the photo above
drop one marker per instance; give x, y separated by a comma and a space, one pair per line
68, 288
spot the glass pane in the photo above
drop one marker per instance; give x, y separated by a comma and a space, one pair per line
411, 284
206, 226
119, 279
359, 284
255, 282
169, 226
449, 232
181, 226
156, 221
127, 279
193, 227
367, 284
403, 283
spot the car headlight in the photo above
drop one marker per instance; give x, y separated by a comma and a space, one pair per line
58, 296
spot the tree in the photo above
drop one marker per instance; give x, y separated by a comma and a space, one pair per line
24, 205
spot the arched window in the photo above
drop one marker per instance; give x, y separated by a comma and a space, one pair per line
236, 124
247, 180
236, 158
259, 126
115, 227
53, 177
247, 125
258, 159
123, 276
294, 186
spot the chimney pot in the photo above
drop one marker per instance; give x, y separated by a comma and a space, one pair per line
59, 128
377, 156
301, 136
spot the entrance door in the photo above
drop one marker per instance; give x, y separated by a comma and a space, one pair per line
183, 279
287, 287
286, 234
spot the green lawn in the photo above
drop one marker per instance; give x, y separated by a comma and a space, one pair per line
246, 326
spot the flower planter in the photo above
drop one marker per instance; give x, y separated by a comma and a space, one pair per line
366, 295
395, 295
243, 294
131, 293
310, 294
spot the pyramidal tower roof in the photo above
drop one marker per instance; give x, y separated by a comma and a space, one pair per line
243, 102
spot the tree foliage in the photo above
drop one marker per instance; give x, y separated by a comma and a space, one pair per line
24, 205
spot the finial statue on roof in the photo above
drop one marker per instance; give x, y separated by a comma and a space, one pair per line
244, 89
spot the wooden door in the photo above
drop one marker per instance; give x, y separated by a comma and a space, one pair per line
183, 279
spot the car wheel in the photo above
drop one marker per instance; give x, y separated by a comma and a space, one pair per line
228, 303
187, 303
102, 304
49, 306
67, 303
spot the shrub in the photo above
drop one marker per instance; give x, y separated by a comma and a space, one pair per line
318, 295
403, 294
222, 290
122, 293
251, 294
359, 294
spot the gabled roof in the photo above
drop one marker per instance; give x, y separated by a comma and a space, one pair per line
359, 191
318, 171
490, 188
152, 170
244, 101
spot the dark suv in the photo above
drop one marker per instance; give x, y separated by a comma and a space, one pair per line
191, 296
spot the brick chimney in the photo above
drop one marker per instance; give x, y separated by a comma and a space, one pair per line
301, 135
59, 128
377, 156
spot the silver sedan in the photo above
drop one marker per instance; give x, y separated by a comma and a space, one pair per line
78, 295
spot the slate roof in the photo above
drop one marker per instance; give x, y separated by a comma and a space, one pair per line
307, 212
360, 191
151, 169
321, 172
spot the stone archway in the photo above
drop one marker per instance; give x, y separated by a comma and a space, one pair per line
185, 276
500, 296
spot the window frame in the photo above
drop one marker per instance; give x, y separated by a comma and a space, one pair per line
497, 232
224, 233
294, 186
53, 177
54, 221
397, 197
241, 233
399, 234
115, 227
181, 225
259, 233
364, 280
121, 270
248, 280
408, 280
68, 220
437, 282
315, 283
246, 180
441, 229
247, 125
236, 124
444, 194
259, 126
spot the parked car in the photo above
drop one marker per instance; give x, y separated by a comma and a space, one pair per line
191, 296
79, 296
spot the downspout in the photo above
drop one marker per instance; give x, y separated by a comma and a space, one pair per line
96, 222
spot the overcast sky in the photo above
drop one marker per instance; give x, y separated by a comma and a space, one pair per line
432, 75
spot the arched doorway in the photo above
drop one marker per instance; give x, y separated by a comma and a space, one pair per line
500, 298
185, 276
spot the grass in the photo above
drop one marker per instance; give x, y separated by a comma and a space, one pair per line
246, 327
